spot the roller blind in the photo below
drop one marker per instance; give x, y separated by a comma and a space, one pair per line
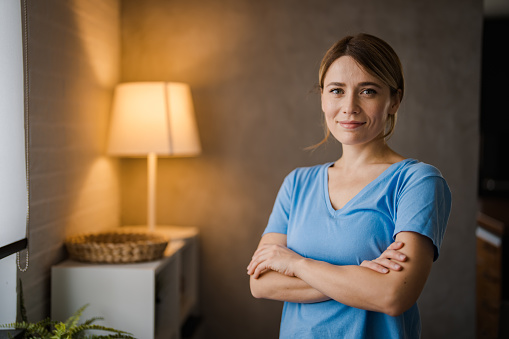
13, 184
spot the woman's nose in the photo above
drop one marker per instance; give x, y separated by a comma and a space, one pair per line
350, 105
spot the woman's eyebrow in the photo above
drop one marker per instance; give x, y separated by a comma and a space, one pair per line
361, 84
369, 83
336, 84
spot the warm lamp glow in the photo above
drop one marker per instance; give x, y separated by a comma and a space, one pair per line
153, 117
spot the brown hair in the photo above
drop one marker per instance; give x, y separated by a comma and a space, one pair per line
377, 57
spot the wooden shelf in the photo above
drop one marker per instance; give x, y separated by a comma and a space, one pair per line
492, 267
150, 299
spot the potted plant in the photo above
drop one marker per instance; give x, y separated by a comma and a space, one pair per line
70, 329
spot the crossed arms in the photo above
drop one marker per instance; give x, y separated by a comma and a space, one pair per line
381, 285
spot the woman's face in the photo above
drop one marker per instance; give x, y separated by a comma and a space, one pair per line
356, 104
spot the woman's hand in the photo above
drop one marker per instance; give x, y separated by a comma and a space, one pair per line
385, 261
273, 257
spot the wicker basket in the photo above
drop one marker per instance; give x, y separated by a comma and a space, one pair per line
116, 247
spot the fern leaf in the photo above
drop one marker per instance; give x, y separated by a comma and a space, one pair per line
108, 329
73, 320
92, 320
31, 330
46, 322
17, 325
84, 327
59, 331
40, 328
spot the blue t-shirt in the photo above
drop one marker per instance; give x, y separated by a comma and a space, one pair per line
407, 196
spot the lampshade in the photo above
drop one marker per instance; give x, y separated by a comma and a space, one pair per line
153, 117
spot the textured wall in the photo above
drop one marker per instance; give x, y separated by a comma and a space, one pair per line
74, 49
252, 66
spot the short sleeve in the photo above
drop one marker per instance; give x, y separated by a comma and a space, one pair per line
424, 205
278, 220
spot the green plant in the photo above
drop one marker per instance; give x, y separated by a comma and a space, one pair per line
70, 329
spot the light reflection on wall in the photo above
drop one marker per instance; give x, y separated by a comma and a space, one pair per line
96, 206
103, 57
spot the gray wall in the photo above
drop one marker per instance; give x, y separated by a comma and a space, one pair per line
74, 53
252, 66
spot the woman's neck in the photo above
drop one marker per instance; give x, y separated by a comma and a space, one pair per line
355, 156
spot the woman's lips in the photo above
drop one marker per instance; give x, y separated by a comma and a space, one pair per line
351, 124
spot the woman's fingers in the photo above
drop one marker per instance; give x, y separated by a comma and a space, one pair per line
388, 264
393, 254
387, 260
374, 266
271, 257
395, 245
381, 265
260, 269
258, 264
255, 262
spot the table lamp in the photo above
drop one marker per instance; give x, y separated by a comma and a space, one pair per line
153, 119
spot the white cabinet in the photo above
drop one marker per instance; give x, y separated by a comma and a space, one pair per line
150, 299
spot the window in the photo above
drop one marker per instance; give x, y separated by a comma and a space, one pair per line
13, 174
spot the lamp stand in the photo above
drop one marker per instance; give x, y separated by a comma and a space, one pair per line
151, 191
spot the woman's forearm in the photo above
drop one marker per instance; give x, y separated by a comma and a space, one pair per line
361, 287
355, 286
275, 286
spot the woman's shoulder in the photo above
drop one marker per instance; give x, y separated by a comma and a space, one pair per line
414, 171
424, 180
414, 167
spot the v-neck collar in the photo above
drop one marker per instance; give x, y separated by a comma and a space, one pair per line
325, 182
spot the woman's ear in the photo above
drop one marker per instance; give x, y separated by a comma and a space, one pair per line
395, 102
321, 99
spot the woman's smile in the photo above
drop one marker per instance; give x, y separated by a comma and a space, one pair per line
351, 124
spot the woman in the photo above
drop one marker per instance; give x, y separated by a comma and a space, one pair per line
349, 244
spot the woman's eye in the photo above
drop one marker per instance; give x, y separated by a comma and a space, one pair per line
368, 91
336, 91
